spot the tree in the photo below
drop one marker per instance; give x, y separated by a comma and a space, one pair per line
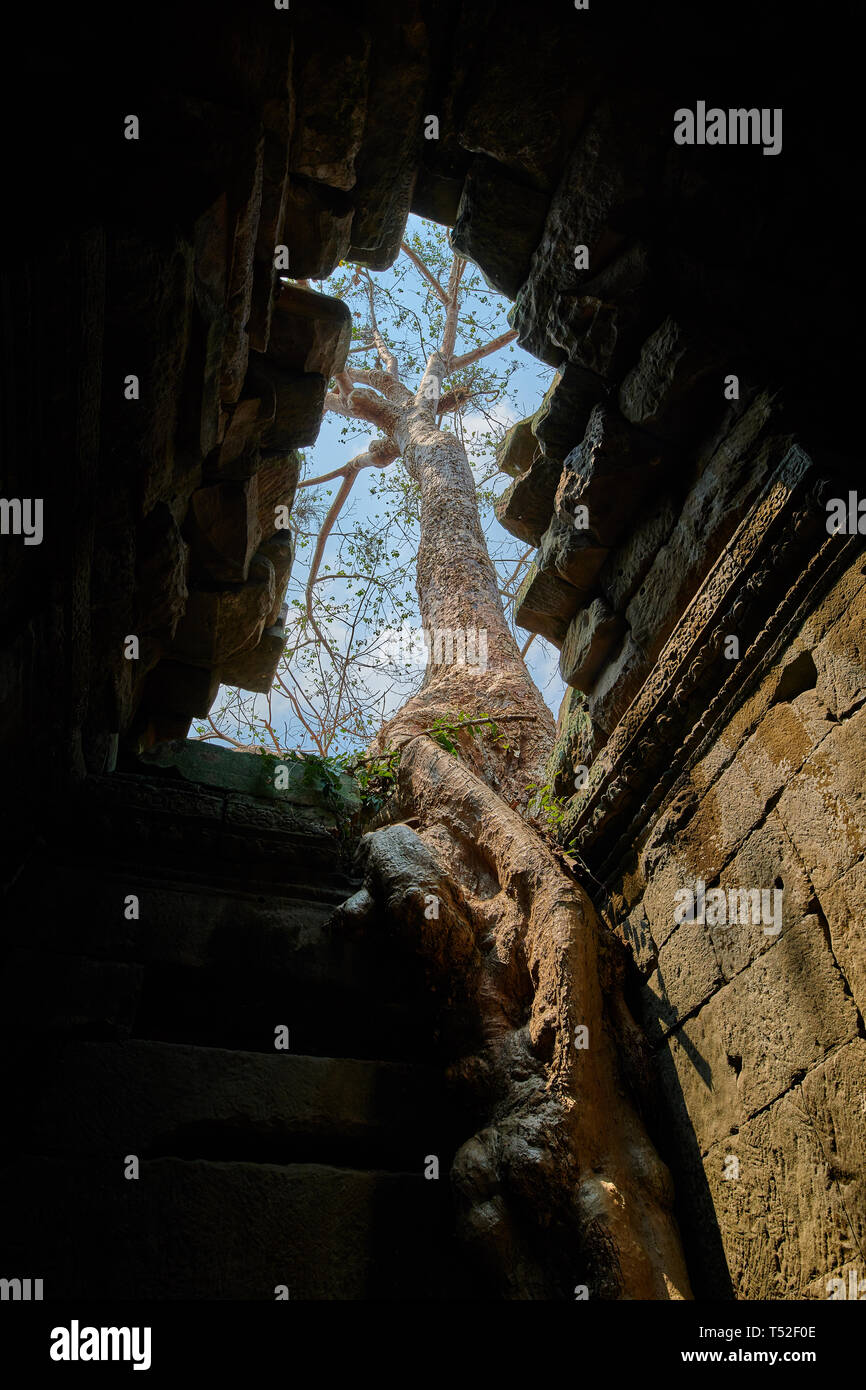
354, 650
531, 982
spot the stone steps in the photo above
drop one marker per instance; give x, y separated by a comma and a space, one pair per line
163, 1099
201, 964
196, 1229
155, 1037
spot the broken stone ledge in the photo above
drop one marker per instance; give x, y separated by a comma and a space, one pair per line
254, 775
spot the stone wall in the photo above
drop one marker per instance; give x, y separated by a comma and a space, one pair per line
757, 1028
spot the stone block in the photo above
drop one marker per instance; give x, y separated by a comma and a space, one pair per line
223, 531
318, 224
844, 906
544, 604
526, 506
517, 451
823, 807
674, 385
686, 975
592, 634
572, 552
310, 332
766, 861
793, 1206
610, 473
220, 623
500, 246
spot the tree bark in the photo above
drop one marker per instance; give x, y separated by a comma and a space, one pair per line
560, 1189
458, 593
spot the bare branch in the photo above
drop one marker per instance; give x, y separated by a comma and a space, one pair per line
367, 405
484, 351
350, 474
428, 275
337, 405
449, 336
389, 386
385, 353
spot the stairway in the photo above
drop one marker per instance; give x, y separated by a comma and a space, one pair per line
261, 1172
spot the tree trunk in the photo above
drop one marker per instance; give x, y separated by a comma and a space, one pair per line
561, 1192
458, 596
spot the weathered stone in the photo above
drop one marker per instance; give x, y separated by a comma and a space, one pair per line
592, 634
617, 684
842, 904
634, 930
243, 224
560, 421
320, 1222
185, 691
161, 567
318, 223
776, 750
386, 165
310, 332
675, 385
571, 552
823, 807
501, 249
238, 452
277, 481
298, 402
525, 506
270, 234
609, 473
59, 993
767, 862
609, 318
686, 975
256, 669
544, 604
222, 528
529, 138
218, 624
437, 197
756, 1036
517, 451
617, 156
165, 1092
803, 1155
627, 566
840, 657
213, 766
150, 321
331, 107
280, 550
577, 742
716, 504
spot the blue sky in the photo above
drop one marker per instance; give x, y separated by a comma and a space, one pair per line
367, 506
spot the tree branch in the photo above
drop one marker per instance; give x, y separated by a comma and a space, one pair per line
484, 351
428, 275
449, 336
385, 353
